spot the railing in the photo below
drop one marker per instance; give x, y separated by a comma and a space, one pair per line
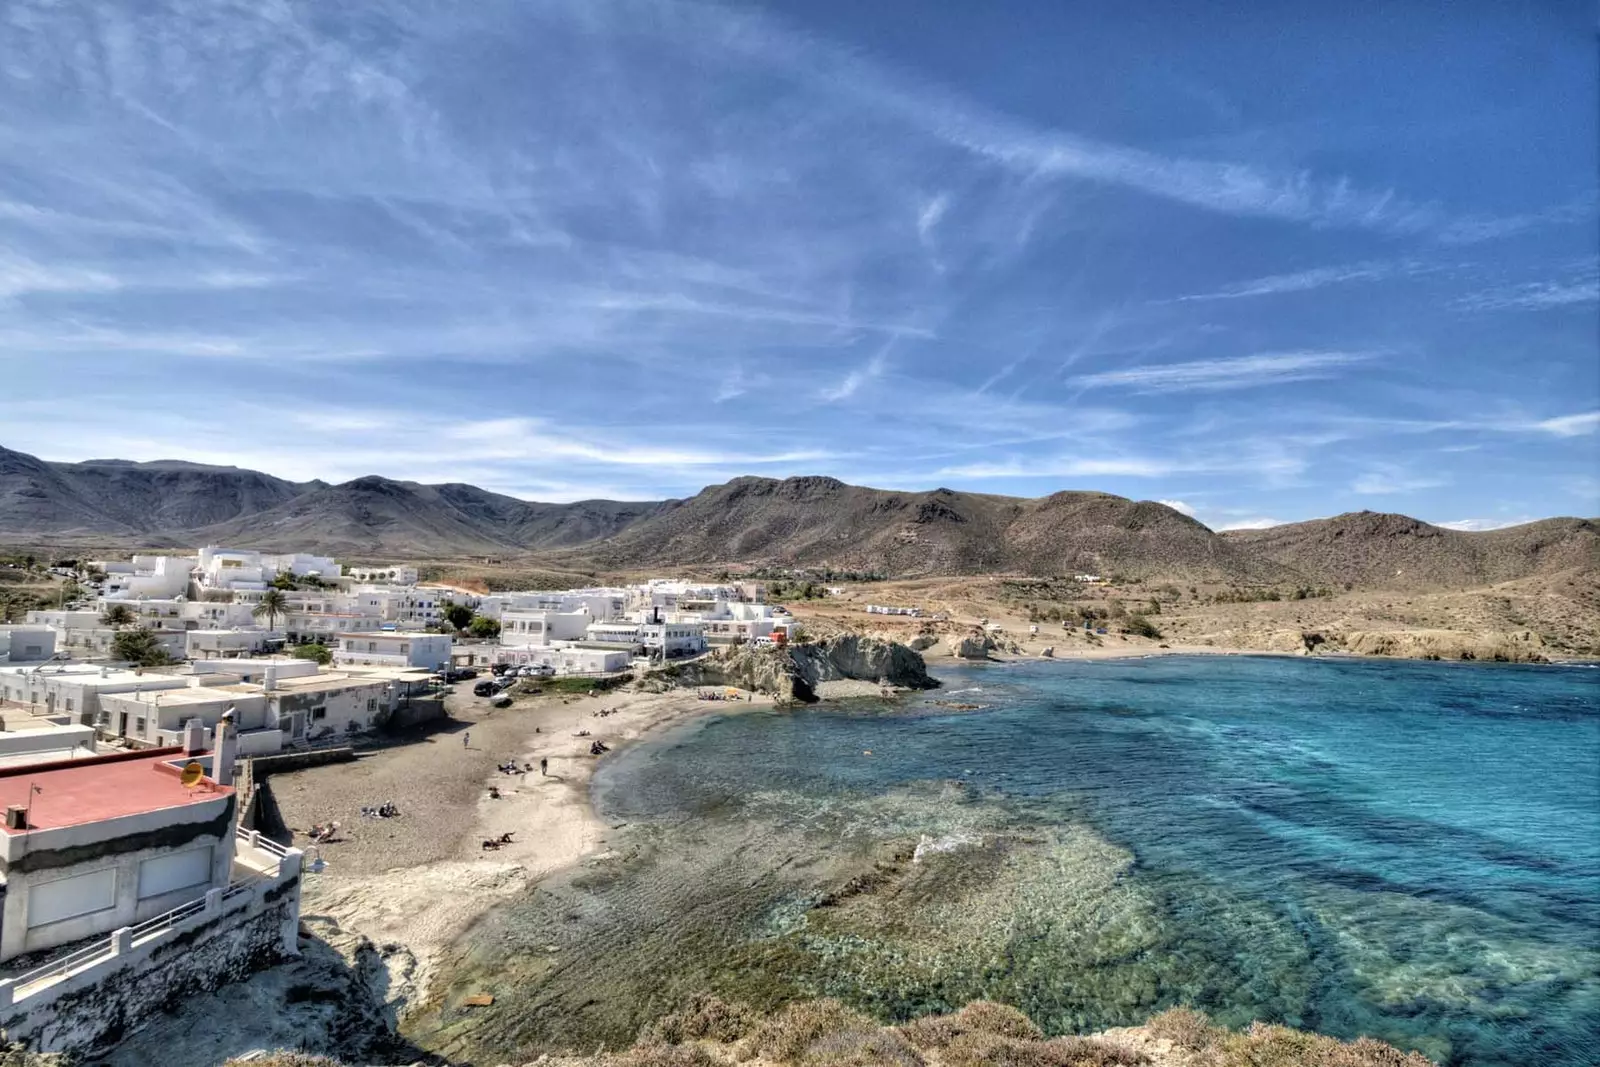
120, 941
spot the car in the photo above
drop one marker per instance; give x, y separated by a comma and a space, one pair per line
466, 674
485, 688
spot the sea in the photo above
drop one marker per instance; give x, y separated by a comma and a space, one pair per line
1400, 849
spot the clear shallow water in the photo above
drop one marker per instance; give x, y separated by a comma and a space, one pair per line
1402, 849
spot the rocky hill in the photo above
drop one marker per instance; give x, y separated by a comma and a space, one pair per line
813, 522
822, 521
1376, 550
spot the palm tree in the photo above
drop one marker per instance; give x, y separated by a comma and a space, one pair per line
273, 603
117, 616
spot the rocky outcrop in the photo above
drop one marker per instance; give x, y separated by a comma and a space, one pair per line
1522, 646
975, 645
792, 673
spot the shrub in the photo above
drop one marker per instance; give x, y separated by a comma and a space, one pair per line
703, 1017
992, 1050
863, 1048
665, 1056
140, 648
786, 1036
1140, 626
981, 1016
1185, 1027
316, 652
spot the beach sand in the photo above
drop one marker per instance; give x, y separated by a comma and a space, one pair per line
413, 884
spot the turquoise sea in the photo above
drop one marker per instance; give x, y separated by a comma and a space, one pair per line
1403, 849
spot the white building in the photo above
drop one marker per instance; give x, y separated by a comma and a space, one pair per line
655, 638
26, 644
228, 644
394, 649
105, 843
524, 629
75, 689
571, 659
158, 577
390, 575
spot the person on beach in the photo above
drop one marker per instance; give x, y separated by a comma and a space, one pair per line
544, 767
466, 739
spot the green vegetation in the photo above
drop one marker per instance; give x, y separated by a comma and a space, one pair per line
457, 615
778, 592
316, 652
273, 603
1256, 594
1263, 1045
117, 616
579, 684
1140, 626
139, 647
483, 626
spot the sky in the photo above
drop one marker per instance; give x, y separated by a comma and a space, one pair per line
1264, 262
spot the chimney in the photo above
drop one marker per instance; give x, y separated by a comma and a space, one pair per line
269, 679
194, 737
227, 749
16, 817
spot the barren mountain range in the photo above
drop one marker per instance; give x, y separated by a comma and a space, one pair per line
796, 521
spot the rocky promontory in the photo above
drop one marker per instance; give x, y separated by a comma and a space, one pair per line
794, 673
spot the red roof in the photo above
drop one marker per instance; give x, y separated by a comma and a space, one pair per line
75, 792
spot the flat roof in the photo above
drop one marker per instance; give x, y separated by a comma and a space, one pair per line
409, 634
92, 790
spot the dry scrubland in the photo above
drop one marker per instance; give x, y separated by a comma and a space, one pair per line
824, 1033
1531, 620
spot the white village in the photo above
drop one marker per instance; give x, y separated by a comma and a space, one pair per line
137, 716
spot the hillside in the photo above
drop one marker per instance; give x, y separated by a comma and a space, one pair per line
1377, 550
822, 521
810, 522
377, 515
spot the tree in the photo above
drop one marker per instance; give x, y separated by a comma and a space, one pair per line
458, 615
284, 581
317, 652
139, 647
1312, 640
117, 616
482, 626
273, 603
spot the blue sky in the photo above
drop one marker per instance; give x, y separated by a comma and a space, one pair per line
1270, 263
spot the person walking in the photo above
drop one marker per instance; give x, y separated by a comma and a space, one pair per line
466, 739
544, 767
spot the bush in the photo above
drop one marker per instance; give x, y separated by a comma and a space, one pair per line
981, 1016
140, 648
863, 1048
317, 652
1185, 1027
786, 1036
1140, 626
992, 1050
703, 1017
482, 626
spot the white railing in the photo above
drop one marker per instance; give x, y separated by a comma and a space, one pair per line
121, 940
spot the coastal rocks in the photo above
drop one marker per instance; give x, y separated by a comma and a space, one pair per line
976, 645
923, 642
794, 673
1523, 646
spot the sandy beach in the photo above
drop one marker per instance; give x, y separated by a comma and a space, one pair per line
412, 884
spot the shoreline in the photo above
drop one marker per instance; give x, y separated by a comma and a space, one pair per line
415, 912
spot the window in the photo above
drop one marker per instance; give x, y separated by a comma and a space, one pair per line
138, 727
318, 713
68, 898
161, 875
372, 705
69, 703
404, 648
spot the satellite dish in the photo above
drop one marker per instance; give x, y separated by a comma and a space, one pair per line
193, 775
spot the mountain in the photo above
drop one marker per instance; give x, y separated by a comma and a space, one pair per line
1379, 550
822, 521
791, 522
375, 515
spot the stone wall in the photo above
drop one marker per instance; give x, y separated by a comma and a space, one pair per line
92, 1007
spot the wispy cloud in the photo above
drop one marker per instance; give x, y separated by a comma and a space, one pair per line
1179, 506
1240, 372
1533, 296
1297, 282
1385, 479
1570, 425
1253, 522
869, 371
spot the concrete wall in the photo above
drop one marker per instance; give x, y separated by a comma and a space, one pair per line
90, 1008
63, 870
26, 644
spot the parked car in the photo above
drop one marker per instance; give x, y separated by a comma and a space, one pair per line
485, 688
464, 674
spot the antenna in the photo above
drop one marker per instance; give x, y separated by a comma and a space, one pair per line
193, 774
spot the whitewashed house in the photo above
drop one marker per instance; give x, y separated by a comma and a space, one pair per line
394, 649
